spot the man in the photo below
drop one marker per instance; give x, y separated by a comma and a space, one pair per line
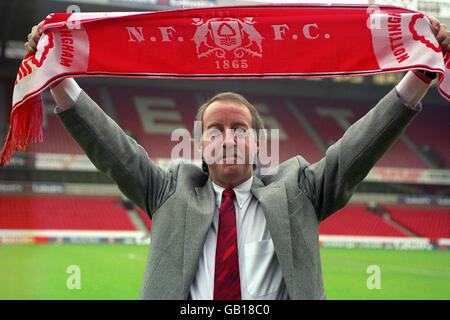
225, 233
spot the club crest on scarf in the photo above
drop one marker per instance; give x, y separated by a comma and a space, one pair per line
227, 37
430, 42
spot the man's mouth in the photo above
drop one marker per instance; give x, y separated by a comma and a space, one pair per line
235, 159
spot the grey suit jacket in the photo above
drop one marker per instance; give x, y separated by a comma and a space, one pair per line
180, 201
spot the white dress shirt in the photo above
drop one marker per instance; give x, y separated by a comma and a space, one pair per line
259, 270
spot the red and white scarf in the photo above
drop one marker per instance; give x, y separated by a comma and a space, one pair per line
252, 42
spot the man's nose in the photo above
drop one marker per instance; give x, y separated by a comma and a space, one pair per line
229, 138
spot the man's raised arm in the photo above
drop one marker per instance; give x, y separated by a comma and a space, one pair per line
331, 181
106, 144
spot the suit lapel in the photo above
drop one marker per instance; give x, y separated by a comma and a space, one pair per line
274, 204
200, 213
199, 216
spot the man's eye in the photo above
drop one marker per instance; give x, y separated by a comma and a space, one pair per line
240, 133
212, 133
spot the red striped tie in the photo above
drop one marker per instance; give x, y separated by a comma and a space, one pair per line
227, 284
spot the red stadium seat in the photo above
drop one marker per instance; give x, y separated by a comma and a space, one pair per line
63, 213
355, 220
430, 222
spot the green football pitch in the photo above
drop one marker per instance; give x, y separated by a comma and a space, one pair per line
114, 271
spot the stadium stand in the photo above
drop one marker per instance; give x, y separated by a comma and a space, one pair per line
355, 220
432, 130
63, 213
308, 126
157, 112
338, 115
430, 222
57, 139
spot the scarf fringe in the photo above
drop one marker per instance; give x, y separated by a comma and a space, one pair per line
25, 128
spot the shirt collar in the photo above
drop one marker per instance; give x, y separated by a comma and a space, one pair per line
242, 192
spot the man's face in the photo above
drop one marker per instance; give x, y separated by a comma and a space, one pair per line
229, 144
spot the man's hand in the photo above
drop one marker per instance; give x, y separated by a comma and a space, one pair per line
31, 44
64, 91
413, 87
33, 38
441, 33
